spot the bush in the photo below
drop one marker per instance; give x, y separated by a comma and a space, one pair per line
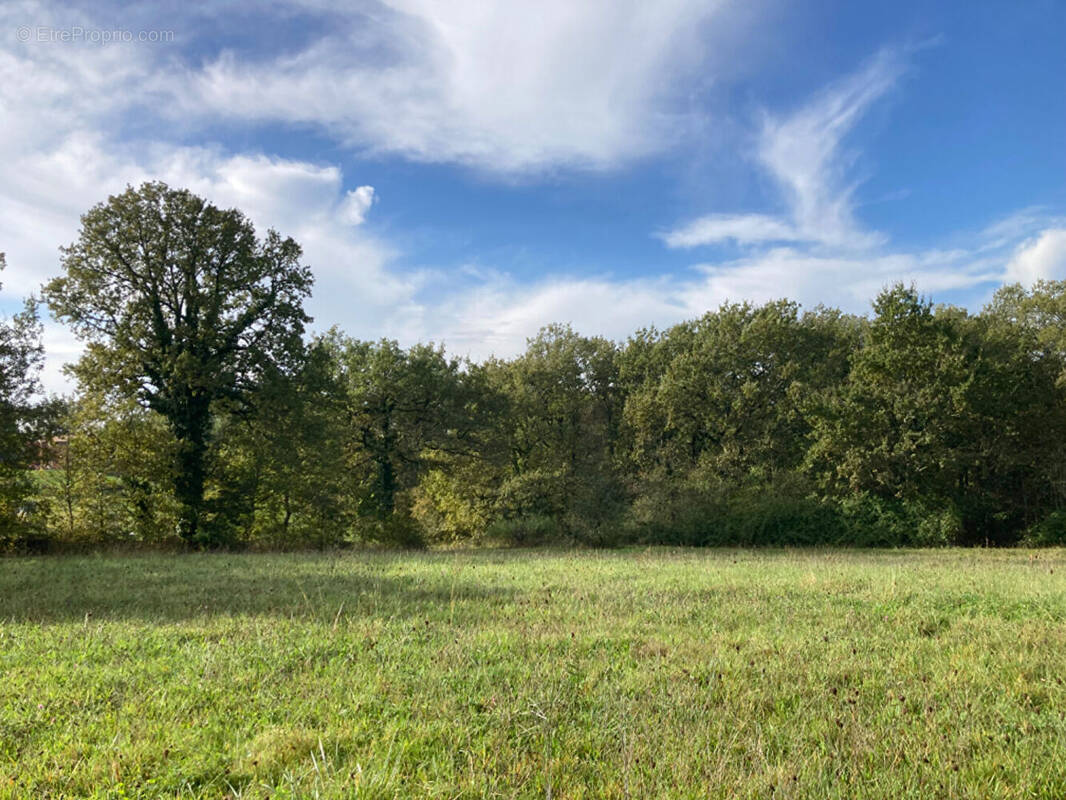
1049, 532
529, 530
450, 509
872, 521
399, 529
715, 514
784, 512
596, 510
536, 493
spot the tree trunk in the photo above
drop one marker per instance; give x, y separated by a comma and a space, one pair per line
191, 430
386, 473
387, 479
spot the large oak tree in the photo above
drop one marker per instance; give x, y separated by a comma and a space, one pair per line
182, 307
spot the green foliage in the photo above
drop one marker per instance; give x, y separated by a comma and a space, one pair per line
946, 411
785, 513
873, 521
405, 412
1049, 532
533, 493
722, 399
564, 402
398, 529
111, 477
724, 514
451, 505
291, 476
524, 531
888, 429
754, 424
561, 438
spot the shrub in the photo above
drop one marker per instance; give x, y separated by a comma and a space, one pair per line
399, 529
449, 509
871, 521
596, 505
716, 514
536, 493
783, 512
523, 531
1049, 532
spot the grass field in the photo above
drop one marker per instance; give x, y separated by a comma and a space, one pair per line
535, 674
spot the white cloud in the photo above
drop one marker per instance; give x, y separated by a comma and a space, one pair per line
514, 87
851, 281
505, 87
357, 202
802, 153
304, 201
1043, 258
817, 251
495, 315
61, 348
741, 228
1018, 226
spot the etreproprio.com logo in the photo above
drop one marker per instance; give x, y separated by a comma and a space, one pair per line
79, 35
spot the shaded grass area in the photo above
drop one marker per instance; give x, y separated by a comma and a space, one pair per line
659, 673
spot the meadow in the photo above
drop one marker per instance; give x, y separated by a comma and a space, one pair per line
535, 674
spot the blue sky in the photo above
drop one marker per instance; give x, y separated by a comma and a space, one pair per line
467, 172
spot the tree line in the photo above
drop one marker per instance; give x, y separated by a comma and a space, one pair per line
205, 416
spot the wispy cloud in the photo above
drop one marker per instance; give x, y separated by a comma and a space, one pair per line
512, 88
740, 228
802, 152
818, 251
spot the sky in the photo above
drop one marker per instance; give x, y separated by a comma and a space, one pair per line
466, 172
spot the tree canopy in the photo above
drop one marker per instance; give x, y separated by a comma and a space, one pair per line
183, 307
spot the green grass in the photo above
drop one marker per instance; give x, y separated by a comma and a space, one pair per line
535, 674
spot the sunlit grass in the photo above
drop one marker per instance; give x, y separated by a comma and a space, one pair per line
537, 673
